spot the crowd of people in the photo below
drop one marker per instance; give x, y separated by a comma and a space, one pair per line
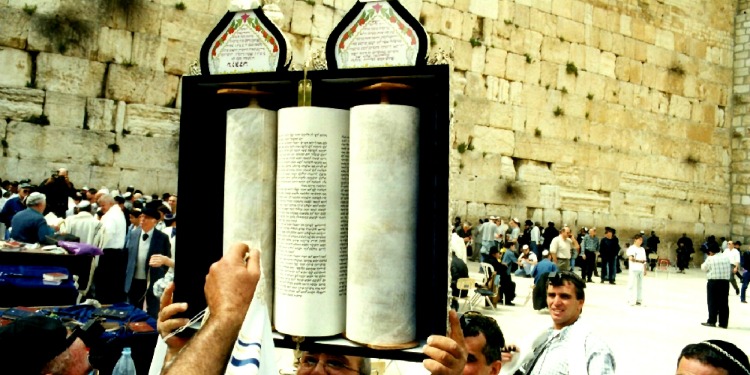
137, 233
474, 344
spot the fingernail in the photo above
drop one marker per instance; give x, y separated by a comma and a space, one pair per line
183, 305
429, 340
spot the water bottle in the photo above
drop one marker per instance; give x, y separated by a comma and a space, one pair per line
125, 365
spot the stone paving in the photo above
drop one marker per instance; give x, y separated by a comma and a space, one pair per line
646, 339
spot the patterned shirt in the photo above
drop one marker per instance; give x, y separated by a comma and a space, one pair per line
590, 243
717, 267
554, 355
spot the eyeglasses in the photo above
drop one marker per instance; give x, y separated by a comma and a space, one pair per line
332, 365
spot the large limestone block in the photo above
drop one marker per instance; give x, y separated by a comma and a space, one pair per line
200, 6
475, 85
65, 110
20, 103
493, 140
431, 17
507, 168
475, 211
470, 26
463, 55
69, 75
570, 30
147, 152
100, 114
515, 67
540, 148
656, 187
569, 218
180, 54
322, 21
451, 23
149, 51
30, 141
554, 216
680, 107
497, 91
676, 210
16, 71
480, 163
139, 85
115, 45
484, 8
534, 171
146, 17
567, 175
302, 18
173, 25
150, 120
637, 205
82, 43
15, 30
471, 110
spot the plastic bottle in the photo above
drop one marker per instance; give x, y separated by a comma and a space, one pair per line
125, 365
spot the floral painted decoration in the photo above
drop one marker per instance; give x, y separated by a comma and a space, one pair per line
252, 22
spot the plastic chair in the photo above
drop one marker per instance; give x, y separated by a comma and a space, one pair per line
488, 294
464, 284
487, 271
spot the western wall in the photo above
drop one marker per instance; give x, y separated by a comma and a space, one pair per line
629, 114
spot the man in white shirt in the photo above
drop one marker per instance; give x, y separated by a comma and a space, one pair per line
560, 249
83, 224
109, 277
502, 231
488, 237
536, 240
526, 262
636, 260
734, 257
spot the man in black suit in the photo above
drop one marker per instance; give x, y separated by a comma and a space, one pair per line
148, 251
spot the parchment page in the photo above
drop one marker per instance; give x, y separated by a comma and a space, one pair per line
384, 171
250, 185
311, 219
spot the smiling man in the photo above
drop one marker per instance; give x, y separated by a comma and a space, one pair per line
569, 346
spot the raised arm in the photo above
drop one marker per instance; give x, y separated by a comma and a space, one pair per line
230, 286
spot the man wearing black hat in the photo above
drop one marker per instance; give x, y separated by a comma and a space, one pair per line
145, 247
40, 345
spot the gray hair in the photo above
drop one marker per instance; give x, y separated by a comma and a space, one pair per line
35, 198
106, 198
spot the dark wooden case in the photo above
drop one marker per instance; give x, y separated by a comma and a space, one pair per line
201, 178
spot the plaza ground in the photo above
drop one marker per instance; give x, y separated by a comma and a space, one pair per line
644, 339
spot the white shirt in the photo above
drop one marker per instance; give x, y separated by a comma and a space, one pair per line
733, 255
457, 246
638, 253
112, 232
168, 232
140, 259
83, 225
535, 235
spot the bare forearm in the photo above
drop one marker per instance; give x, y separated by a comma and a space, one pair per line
208, 352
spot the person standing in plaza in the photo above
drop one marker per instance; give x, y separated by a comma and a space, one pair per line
637, 260
718, 271
684, 249
733, 255
608, 249
488, 237
589, 247
561, 249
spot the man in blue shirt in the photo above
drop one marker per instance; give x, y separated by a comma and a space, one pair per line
29, 225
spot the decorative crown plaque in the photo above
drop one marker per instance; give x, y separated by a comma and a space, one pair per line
378, 33
244, 41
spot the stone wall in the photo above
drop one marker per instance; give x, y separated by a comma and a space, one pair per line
740, 136
590, 113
